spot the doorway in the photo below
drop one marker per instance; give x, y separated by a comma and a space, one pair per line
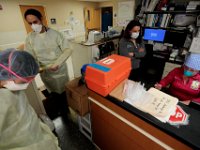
106, 18
23, 9
92, 19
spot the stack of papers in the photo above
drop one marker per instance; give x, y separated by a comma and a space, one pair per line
158, 104
192, 5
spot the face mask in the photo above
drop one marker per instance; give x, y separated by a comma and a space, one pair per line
36, 27
188, 73
134, 35
11, 85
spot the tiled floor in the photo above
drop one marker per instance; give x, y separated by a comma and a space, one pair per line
66, 126
69, 136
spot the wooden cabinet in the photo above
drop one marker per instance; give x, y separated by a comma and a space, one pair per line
114, 128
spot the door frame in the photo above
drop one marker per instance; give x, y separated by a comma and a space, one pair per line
40, 8
109, 8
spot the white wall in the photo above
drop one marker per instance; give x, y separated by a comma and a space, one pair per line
114, 4
12, 29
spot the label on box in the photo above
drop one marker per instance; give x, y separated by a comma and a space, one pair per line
99, 67
108, 61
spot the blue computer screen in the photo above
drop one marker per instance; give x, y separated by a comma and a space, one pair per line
154, 34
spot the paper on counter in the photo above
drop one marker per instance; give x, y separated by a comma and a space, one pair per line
162, 104
154, 102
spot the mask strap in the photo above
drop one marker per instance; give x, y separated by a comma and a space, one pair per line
9, 60
9, 70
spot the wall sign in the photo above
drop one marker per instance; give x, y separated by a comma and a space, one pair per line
125, 12
53, 20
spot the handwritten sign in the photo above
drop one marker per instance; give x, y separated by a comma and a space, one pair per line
161, 104
155, 102
125, 12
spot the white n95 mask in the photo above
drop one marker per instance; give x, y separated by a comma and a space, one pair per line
11, 85
36, 27
134, 35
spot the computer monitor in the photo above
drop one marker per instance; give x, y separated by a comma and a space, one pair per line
177, 38
157, 35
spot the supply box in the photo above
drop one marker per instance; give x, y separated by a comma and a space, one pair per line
103, 76
77, 97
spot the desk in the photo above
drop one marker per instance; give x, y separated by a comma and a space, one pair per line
84, 54
117, 125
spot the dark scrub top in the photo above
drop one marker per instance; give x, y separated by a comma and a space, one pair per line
127, 46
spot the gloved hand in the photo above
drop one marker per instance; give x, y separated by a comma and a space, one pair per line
158, 86
49, 67
53, 67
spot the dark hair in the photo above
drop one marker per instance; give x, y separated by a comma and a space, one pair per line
33, 12
131, 24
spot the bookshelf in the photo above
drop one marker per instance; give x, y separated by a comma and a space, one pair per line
173, 12
171, 17
165, 19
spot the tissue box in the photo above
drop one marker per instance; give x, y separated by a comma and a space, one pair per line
103, 76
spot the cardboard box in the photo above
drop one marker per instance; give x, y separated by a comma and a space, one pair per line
117, 92
77, 97
103, 76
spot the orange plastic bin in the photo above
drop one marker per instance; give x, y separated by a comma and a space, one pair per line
103, 76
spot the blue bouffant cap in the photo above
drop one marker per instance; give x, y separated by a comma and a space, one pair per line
193, 61
17, 64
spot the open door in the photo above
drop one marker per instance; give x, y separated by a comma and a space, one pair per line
106, 18
23, 9
92, 18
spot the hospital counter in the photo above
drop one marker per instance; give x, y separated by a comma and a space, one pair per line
84, 54
118, 125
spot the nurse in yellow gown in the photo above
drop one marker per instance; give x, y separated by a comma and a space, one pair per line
20, 128
49, 47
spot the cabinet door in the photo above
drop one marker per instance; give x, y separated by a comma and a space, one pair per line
114, 128
110, 133
92, 18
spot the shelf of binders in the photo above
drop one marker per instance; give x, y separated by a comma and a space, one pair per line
173, 12
181, 29
164, 19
